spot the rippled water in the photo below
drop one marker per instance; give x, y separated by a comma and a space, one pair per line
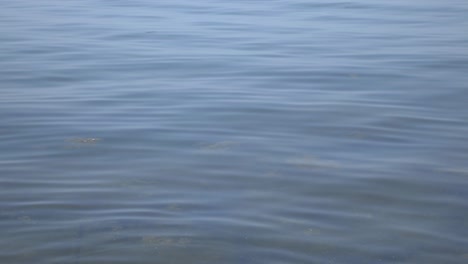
233, 131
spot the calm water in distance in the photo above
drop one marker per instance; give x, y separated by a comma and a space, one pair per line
234, 132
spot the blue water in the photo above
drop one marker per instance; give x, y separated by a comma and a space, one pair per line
233, 131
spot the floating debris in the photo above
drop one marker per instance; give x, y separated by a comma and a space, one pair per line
273, 173
84, 140
312, 162
461, 171
155, 242
21, 217
313, 231
173, 207
219, 145
25, 219
81, 142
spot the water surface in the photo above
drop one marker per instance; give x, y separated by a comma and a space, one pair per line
233, 131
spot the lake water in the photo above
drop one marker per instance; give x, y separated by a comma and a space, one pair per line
233, 131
